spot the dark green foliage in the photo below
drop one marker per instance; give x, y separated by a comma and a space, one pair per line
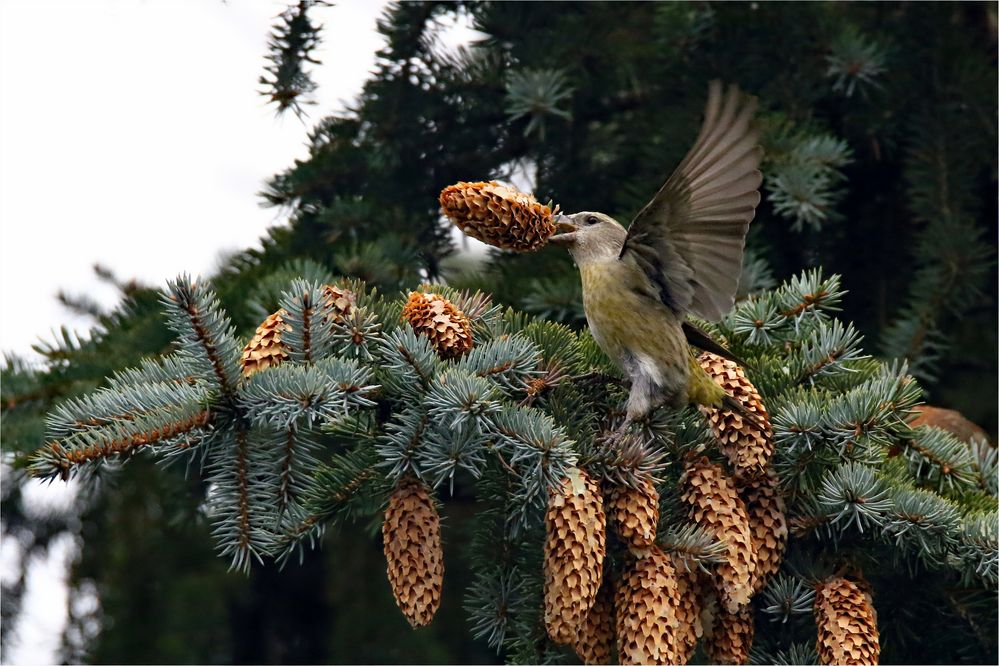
291, 44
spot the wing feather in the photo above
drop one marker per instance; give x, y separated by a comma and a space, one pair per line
689, 239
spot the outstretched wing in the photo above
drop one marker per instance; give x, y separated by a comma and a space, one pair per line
689, 239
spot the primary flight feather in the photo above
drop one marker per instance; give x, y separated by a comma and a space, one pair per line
682, 255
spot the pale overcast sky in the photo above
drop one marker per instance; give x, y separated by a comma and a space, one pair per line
132, 134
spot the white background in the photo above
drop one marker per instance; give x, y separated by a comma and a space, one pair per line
132, 134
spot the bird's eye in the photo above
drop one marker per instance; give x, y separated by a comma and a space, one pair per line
592, 219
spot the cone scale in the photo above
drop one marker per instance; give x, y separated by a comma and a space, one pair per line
747, 447
575, 528
411, 537
715, 504
767, 524
847, 624
437, 319
634, 513
646, 611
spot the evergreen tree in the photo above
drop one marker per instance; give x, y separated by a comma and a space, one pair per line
362, 404
881, 167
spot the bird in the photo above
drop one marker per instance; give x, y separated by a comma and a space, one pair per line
680, 257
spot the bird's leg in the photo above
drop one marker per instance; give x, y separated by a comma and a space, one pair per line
615, 438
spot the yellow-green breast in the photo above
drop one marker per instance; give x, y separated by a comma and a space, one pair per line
626, 323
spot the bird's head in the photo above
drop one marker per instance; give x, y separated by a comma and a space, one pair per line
589, 236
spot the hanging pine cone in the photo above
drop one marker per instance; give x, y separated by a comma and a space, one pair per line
634, 513
729, 636
747, 448
847, 624
715, 505
646, 611
265, 349
688, 611
411, 536
574, 554
447, 327
595, 637
498, 215
767, 525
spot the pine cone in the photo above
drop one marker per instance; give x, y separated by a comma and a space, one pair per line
498, 215
688, 611
411, 535
447, 327
847, 624
266, 349
574, 554
634, 512
767, 524
646, 611
729, 636
747, 448
715, 504
595, 638
341, 301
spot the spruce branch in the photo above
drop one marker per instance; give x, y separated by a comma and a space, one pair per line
986, 459
509, 362
401, 442
978, 552
174, 368
810, 294
457, 397
205, 335
283, 396
693, 546
309, 318
358, 334
853, 494
795, 655
292, 42
537, 94
855, 62
536, 448
952, 256
349, 486
628, 460
940, 459
804, 173
787, 596
495, 598
829, 351
923, 523
121, 404
239, 498
64, 457
409, 363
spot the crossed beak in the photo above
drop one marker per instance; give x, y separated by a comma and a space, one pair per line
566, 231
